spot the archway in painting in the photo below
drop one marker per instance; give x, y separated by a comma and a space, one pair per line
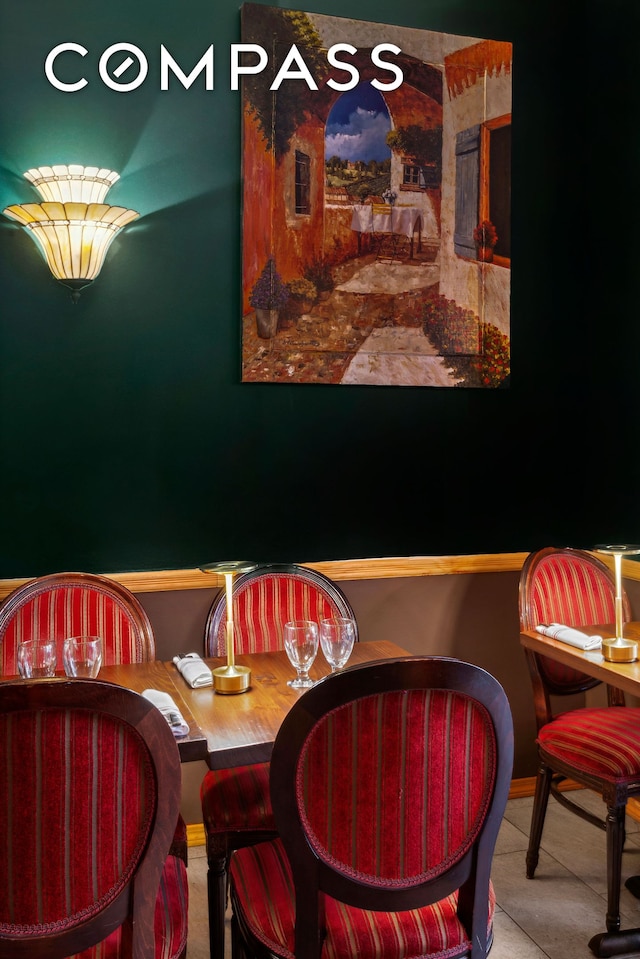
357, 156
359, 164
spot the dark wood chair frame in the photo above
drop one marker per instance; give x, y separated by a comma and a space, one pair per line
552, 773
314, 876
135, 906
220, 849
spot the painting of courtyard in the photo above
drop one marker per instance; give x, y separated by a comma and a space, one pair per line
376, 204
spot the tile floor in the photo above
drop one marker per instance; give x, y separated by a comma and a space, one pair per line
553, 915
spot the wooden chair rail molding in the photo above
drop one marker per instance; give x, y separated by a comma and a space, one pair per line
393, 567
154, 581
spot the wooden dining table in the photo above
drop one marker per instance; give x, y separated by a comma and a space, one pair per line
624, 676
231, 730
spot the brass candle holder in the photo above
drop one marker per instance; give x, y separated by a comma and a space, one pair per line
230, 678
619, 650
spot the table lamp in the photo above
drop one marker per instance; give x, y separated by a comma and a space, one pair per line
619, 650
230, 678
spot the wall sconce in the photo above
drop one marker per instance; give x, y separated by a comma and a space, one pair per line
73, 226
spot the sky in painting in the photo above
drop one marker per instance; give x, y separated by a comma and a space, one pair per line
357, 126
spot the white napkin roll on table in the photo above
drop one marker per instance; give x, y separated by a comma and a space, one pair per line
169, 710
194, 670
567, 634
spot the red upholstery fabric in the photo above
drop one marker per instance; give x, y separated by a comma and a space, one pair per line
265, 603
74, 604
602, 742
237, 799
90, 788
65, 610
170, 923
434, 748
392, 790
566, 590
263, 885
111, 797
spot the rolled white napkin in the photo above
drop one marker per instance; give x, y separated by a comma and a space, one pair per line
567, 634
169, 710
194, 670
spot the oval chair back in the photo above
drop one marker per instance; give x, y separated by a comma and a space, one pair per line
267, 597
89, 799
389, 782
76, 604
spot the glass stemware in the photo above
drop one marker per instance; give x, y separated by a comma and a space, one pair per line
301, 645
82, 656
37, 659
337, 636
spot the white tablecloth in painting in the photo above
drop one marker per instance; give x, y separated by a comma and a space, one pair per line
402, 219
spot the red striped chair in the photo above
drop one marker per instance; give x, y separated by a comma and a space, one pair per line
74, 604
389, 782
89, 799
598, 747
236, 806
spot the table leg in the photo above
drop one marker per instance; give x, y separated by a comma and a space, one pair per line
624, 943
633, 885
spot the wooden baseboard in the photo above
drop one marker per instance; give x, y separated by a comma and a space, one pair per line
520, 789
195, 834
633, 809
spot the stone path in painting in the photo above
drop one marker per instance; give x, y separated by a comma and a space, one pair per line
354, 337
398, 356
395, 355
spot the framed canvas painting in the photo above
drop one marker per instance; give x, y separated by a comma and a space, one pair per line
376, 225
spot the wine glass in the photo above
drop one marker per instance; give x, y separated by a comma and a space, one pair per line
37, 658
82, 656
301, 645
337, 636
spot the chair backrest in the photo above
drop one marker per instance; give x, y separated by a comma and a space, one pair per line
265, 599
89, 800
74, 604
569, 586
381, 209
389, 782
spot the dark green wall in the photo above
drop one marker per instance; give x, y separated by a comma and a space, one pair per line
127, 438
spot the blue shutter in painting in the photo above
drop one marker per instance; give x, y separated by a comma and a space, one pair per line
467, 189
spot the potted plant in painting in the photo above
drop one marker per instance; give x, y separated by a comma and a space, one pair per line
302, 295
485, 237
268, 296
319, 272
